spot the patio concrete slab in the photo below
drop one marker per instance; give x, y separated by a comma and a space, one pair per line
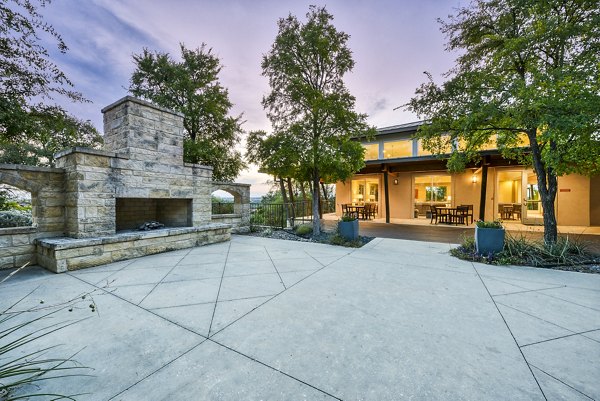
555, 390
396, 319
212, 372
594, 335
577, 366
564, 314
182, 293
250, 286
195, 272
196, 318
121, 343
249, 267
529, 329
227, 312
347, 335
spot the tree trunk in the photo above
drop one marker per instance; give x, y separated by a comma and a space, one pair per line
547, 185
302, 190
286, 205
315, 203
291, 191
325, 198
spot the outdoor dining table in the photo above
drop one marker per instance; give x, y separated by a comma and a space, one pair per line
355, 210
447, 215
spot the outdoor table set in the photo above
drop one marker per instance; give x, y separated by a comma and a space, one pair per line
452, 215
365, 211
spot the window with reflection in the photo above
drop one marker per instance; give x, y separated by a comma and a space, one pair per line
371, 151
395, 149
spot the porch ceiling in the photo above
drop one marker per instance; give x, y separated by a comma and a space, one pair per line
428, 163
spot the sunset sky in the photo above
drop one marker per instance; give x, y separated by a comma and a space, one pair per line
393, 43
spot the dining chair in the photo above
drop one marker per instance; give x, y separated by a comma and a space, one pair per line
434, 214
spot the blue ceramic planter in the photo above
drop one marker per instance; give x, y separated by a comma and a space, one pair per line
489, 240
348, 229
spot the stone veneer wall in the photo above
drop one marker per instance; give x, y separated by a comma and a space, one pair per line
18, 246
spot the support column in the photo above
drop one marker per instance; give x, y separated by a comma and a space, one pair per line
387, 194
484, 171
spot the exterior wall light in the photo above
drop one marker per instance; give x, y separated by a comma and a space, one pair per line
474, 179
395, 181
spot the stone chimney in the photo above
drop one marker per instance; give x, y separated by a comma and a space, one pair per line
143, 131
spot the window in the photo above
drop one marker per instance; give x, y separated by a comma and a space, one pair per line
371, 151
392, 150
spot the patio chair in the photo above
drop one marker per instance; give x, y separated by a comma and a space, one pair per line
469, 212
369, 211
346, 211
517, 211
434, 214
462, 215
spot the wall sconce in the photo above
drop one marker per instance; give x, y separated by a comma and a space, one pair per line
395, 181
474, 179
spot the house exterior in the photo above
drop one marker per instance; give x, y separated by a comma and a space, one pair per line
404, 181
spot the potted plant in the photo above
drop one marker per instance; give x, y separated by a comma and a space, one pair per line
348, 227
489, 236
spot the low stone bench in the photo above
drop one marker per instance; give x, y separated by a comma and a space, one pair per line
62, 254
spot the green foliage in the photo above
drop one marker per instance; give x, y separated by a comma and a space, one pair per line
310, 108
348, 217
304, 229
31, 131
26, 70
525, 67
51, 129
15, 218
489, 224
337, 239
565, 254
191, 86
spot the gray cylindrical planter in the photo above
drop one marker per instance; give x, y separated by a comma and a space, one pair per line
489, 240
348, 229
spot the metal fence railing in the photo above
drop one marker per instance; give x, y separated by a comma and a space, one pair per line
280, 215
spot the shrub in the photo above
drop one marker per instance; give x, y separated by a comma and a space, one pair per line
304, 229
348, 217
337, 239
489, 224
13, 218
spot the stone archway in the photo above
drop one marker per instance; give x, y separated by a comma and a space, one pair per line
240, 219
46, 186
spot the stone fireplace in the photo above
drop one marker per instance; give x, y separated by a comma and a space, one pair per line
139, 176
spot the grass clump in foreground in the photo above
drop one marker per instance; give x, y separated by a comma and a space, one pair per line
567, 254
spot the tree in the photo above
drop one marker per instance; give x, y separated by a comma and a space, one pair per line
50, 129
526, 68
30, 129
309, 106
192, 87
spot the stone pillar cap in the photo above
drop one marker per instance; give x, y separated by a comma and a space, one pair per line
141, 102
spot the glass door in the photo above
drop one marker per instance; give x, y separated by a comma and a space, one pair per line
429, 191
366, 191
532, 205
510, 188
